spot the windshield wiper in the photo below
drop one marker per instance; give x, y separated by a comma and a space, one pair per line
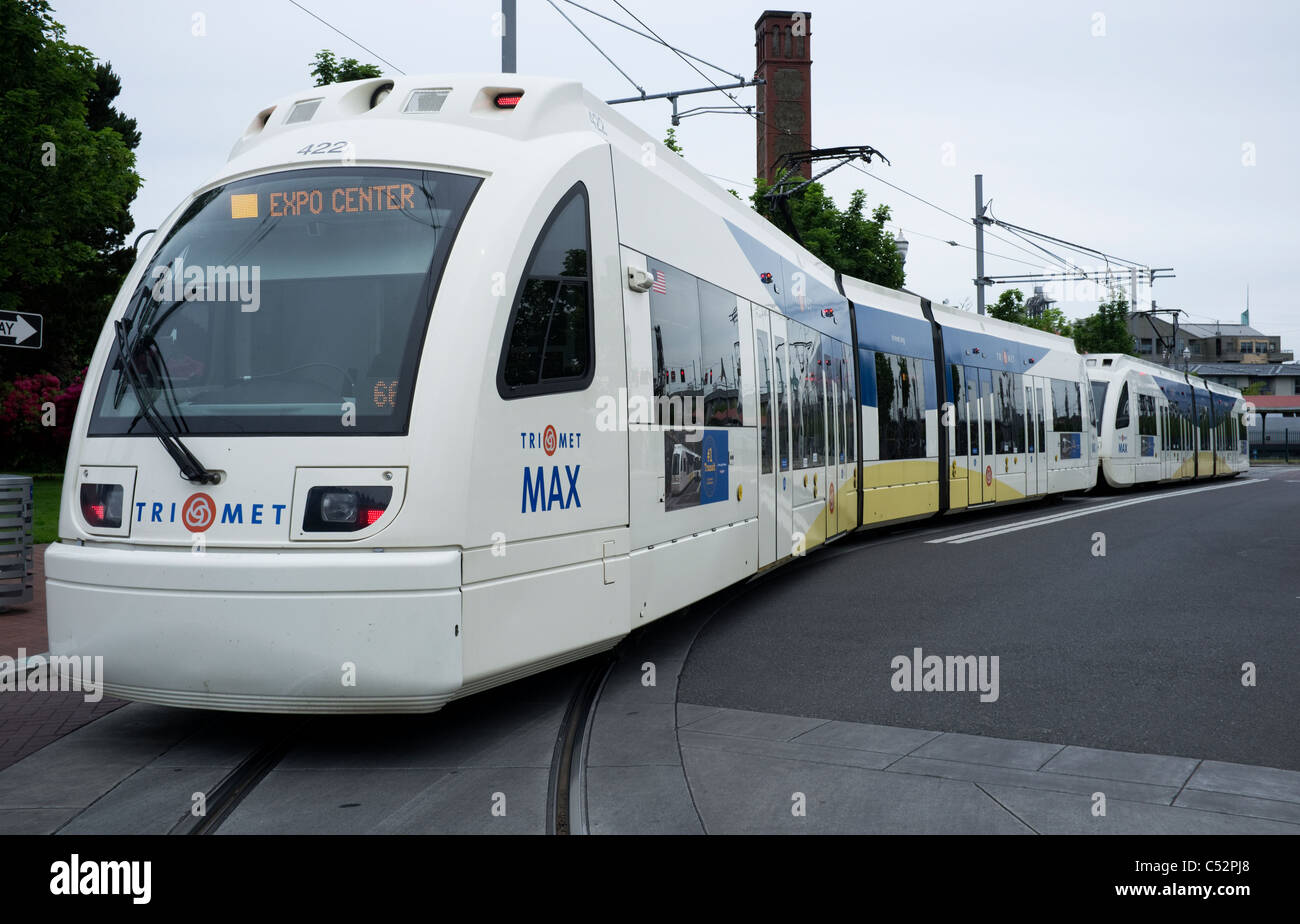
191, 468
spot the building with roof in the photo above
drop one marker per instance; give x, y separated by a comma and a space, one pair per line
1207, 343
1277, 378
1274, 427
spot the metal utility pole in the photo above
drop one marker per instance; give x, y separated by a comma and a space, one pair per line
507, 36
979, 242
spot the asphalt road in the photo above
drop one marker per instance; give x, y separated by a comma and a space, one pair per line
1140, 650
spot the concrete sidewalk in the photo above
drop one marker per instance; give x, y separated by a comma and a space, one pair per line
31, 720
656, 765
748, 771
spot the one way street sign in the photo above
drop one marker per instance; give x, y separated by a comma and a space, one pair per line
21, 329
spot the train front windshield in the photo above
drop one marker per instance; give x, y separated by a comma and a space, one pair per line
293, 302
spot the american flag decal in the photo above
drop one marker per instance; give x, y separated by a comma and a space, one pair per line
660, 283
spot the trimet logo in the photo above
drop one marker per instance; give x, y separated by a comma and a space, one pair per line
549, 440
198, 512
545, 489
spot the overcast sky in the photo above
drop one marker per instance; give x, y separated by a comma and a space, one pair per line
1122, 126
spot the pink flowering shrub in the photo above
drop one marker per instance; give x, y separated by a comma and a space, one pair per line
31, 438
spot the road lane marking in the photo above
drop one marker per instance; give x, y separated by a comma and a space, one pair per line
991, 531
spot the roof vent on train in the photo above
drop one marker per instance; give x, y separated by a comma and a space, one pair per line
380, 93
426, 99
259, 122
303, 110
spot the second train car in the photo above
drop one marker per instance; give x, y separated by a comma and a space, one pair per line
1157, 424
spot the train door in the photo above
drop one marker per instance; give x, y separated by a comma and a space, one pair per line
808, 434
768, 432
782, 472
1042, 436
974, 461
834, 426
846, 503
988, 449
1031, 442
1168, 443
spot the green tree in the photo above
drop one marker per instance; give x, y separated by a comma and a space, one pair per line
67, 180
330, 69
672, 144
1054, 321
847, 240
1010, 306
1107, 330
1255, 388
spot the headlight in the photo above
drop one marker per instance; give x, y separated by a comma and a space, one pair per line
345, 509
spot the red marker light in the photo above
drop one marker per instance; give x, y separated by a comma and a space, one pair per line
372, 516
508, 100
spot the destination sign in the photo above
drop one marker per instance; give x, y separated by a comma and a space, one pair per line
328, 200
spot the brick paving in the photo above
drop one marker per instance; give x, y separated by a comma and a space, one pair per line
31, 720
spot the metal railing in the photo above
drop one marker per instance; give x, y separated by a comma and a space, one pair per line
1277, 445
17, 503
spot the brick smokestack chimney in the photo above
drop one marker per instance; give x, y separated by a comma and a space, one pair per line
784, 55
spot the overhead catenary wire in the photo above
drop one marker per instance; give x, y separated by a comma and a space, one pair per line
1108, 257
748, 111
348, 37
1072, 267
737, 106
653, 38
951, 243
640, 89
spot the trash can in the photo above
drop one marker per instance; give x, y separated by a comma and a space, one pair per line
17, 500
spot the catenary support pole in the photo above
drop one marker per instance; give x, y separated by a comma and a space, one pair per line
979, 242
508, 36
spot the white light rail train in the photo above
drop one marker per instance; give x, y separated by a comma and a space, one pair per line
446, 380
1161, 425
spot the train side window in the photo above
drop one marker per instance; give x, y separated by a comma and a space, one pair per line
719, 321
1121, 409
852, 414
675, 345
549, 344
782, 406
1098, 405
1017, 411
1067, 408
796, 350
1002, 412
900, 394
764, 398
1042, 421
1029, 417
1146, 415
959, 410
814, 406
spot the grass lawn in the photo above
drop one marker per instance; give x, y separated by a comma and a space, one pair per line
45, 518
